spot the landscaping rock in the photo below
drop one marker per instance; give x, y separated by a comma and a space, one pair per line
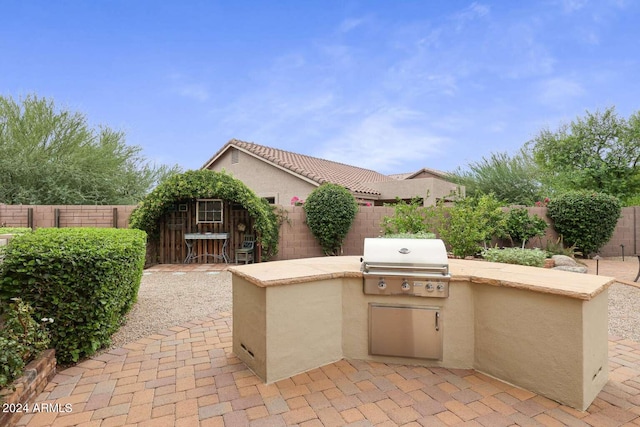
564, 261
575, 269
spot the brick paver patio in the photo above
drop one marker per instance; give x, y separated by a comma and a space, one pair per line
188, 376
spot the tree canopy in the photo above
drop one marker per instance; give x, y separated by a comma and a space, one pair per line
53, 156
511, 179
599, 152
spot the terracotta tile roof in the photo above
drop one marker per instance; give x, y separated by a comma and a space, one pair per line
410, 175
313, 168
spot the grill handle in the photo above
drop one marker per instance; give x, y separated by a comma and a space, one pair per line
388, 269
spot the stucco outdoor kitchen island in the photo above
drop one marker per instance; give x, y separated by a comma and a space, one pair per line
539, 329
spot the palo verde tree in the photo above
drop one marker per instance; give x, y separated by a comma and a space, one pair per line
600, 152
511, 179
330, 211
52, 156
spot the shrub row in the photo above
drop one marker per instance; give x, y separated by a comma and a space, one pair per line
86, 279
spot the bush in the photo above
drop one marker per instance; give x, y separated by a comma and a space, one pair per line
585, 219
520, 226
330, 211
21, 340
530, 257
87, 279
470, 223
408, 218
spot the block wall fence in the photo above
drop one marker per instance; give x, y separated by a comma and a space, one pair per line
296, 241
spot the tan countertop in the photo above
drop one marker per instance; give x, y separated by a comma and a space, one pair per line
573, 285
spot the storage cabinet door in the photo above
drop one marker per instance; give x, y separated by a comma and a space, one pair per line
405, 331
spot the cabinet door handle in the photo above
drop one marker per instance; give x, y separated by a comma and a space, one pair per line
437, 320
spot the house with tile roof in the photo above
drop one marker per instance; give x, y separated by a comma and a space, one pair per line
280, 176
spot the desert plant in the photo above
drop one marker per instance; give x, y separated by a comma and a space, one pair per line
330, 211
520, 226
409, 217
530, 257
585, 219
470, 224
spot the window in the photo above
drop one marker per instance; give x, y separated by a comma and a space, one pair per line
234, 156
209, 211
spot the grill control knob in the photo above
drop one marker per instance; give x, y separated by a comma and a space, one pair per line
382, 285
429, 287
440, 287
405, 286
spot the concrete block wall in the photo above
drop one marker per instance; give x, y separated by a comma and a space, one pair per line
296, 241
69, 216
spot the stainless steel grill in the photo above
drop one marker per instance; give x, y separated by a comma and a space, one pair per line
417, 267
414, 267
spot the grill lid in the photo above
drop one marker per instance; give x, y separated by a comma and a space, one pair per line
402, 257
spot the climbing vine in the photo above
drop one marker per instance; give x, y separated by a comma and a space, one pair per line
202, 184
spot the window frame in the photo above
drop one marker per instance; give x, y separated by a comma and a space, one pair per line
202, 214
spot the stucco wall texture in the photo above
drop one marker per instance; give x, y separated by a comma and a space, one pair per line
296, 241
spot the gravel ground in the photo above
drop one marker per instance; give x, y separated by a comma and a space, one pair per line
171, 299
624, 311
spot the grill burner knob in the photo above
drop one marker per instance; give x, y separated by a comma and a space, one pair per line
406, 286
429, 287
382, 285
440, 287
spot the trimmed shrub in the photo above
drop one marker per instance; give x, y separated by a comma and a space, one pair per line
585, 219
22, 339
330, 211
86, 279
205, 184
520, 226
530, 257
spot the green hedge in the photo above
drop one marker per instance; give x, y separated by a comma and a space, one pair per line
86, 279
586, 220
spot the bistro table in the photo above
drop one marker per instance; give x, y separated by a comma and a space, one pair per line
189, 241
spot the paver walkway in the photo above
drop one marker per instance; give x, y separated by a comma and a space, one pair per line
188, 376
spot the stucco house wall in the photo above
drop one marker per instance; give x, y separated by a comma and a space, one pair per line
430, 189
264, 179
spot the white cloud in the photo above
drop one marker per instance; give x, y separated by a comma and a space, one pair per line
571, 6
558, 91
182, 86
351, 24
387, 141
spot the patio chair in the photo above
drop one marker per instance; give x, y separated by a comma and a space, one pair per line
245, 253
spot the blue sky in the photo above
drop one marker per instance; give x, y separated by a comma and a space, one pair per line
392, 86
